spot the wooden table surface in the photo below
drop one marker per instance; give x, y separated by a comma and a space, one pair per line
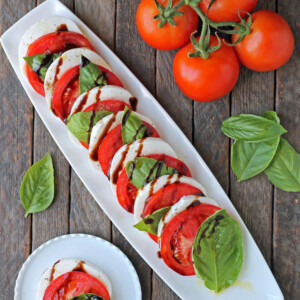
272, 216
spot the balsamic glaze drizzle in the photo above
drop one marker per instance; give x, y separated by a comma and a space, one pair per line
216, 223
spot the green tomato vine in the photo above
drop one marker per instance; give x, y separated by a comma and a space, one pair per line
202, 48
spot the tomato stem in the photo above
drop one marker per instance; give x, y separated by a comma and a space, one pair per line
166, 14
202, 49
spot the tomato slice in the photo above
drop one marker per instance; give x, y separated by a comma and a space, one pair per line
178, 237
54, 42
113, 142
126, 191
168, 196
75, 283
66, 90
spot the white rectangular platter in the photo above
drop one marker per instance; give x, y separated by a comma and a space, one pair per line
255, 281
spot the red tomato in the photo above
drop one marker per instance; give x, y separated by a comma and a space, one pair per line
208, 79
178, 237
168, 37
168, 196
227, 10
126, 191
54, 42
269, 45
112, 143
66, 90
74, 284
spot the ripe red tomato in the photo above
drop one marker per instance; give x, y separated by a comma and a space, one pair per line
227, 10
269, 45
169, 37
112, 142
74, 284
54, 42
126, 191
208, 79
178, 237
66, 90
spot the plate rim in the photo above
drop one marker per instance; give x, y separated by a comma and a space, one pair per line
36, 252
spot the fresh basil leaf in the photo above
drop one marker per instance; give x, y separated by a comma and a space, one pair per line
218, 251
37, 188
82, 123
143, 170
251, 128
271, 115
90, 75
284, 170
150, 222
87, 297
132, 127
40, 63
250, 159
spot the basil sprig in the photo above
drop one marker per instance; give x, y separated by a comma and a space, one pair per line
218, 251
37, 188
251, 128
90, 75
81, 123
254, 154
132, 127
40, 63
142, 170
87, 297
151, 221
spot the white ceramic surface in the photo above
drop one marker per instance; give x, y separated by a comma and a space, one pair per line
255, 281
104, 255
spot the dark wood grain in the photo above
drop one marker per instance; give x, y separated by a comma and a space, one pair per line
16, 155
85, 214
209, 139
286, 251
140, 59
254, 94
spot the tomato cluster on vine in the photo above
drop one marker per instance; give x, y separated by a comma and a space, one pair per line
206, 67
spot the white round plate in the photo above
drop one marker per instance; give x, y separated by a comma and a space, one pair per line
104, 255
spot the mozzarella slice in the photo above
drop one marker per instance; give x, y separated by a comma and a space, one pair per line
39, 29
179, 207
97, 94
67, 265
102, 128
145, 192
66, 61
138, 148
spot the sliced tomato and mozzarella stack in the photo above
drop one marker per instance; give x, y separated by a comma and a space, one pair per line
109, 131
43, 42
73, 73
91, 107
69, 278
194, 234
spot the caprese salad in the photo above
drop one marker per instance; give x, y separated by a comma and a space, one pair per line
194, 234
74, 279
